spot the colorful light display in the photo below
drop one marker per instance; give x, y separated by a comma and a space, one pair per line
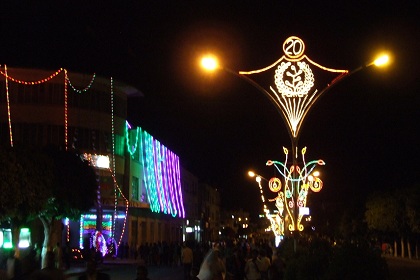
161, 173
293, 91
160, 166
132, 149
285, 199
101, 241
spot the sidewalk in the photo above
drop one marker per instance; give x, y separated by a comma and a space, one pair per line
125, 269
77, 269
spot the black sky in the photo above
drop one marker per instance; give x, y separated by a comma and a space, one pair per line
366, 129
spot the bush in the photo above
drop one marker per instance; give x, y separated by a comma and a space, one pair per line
351, 261
317, 259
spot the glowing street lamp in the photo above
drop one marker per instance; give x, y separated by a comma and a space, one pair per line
295, 85
209, 63
381, 60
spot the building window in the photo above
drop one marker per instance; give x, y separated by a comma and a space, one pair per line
135, 188
119, 145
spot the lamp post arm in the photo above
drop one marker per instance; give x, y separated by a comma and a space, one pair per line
262, 90
334, 82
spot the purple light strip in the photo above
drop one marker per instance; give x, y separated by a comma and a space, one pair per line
178, 182
169, 162
155, 161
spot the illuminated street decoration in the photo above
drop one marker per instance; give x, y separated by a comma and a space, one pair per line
83, 89
161, 176
160, 165
276, 219
132, 148
99, 161
161, 172
9, 117
7, 78
294, 90
284, 201
299, 185
66, 83
102, 241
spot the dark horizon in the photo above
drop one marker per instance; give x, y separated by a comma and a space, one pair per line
365, 128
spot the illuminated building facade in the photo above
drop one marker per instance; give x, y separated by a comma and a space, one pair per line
139, 179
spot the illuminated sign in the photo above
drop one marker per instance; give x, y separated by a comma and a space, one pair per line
293, 89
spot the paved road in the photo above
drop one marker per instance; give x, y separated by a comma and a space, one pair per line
403, 269
127, 271
399, 269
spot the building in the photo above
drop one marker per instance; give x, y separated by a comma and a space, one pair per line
210, 211
139, 178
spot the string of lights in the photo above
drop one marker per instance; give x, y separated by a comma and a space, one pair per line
9, 116
131, 148
83, 89
40, 81
113, 155
115, 207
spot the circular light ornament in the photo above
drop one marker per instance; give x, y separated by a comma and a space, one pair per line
294, 79
316, 185
274, 184
293, 47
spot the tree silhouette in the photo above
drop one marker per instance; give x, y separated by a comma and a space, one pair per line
73, 192
25, 185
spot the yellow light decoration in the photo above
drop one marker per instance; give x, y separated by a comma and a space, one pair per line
293, 60
294, 81
277, 223
292, 197
33, 82
316, 185
8, 107
8, 77
293, 47
274, 184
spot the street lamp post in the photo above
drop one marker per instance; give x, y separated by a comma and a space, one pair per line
293, 92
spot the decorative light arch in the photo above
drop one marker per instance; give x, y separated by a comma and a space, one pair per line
294, 92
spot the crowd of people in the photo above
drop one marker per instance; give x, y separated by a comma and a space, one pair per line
233, 260
212, 260
228, 260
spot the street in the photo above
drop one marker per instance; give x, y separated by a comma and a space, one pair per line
403, 269
127, 271
399, 269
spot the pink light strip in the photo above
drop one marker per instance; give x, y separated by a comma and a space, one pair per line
65, 111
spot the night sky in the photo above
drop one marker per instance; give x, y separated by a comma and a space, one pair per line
366, 129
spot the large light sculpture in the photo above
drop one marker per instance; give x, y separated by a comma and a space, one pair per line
293, 85
284, 200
